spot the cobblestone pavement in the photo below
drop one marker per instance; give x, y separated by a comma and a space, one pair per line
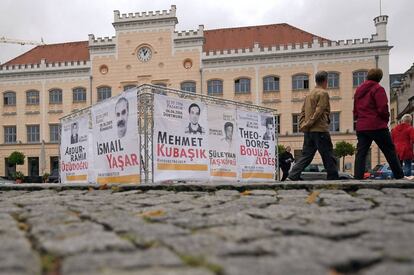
275, 229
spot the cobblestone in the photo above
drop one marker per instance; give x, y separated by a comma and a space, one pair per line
361, 228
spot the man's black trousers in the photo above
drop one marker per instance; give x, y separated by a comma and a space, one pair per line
383, 139
321, 142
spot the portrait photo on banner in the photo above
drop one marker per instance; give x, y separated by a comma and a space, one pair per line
257, 146
115, 132
180, 139
74, 149
223, 142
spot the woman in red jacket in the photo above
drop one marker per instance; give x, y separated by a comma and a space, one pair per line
403, 138
372, 116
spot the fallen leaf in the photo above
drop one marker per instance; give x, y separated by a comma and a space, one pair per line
334, 272
246, 193
23, 226
115, 188
312, 197
152, 213
103, 187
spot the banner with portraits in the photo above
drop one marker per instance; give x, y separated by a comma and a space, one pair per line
116, 139
180, 139
257, 146
75, 150
223, 143
189, 140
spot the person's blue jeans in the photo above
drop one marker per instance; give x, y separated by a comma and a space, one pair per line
407, 167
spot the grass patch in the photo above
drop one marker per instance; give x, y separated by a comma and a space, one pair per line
50, 264
138, 242
199, 261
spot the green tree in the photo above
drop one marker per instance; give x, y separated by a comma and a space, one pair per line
343, 149
281, 148
16, 158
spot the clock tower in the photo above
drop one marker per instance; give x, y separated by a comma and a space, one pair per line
146, 49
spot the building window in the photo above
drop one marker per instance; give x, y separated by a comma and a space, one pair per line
359, 77
33, 166
215, 87
54, 165
189, 86
9, 134
270, 84
242, 86
10, 169
334, 126
9, 98
79, 95
333, 80
104, 93
127, 87
162, 84
354, 124
54, 131
33, 133
55, 96
277, 121
300, 82
32, 97
295, 123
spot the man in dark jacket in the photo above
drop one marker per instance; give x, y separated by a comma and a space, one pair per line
314, 123
285, 161
372, 115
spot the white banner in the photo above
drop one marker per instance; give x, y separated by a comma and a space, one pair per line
75, 150
116, 139
257, 148
223, 143
180, 139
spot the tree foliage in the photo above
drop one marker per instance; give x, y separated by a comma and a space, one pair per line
281, 148
343, 149
16, 158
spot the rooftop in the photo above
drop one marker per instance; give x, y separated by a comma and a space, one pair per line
215, 40
61, 52
265, 35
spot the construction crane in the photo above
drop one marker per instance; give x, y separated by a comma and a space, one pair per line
21, 42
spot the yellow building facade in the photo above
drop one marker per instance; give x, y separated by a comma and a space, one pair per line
272, 65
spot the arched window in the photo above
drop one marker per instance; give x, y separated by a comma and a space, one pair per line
359, 77
242, 86
215, 87
79, 94
300, 82
32, 97
55, 96
189, 86
271, 83
333, 80
9, 98
104, 92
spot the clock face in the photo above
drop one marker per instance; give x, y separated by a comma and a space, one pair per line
144, 54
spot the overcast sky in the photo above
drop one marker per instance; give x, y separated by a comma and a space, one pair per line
59, 21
